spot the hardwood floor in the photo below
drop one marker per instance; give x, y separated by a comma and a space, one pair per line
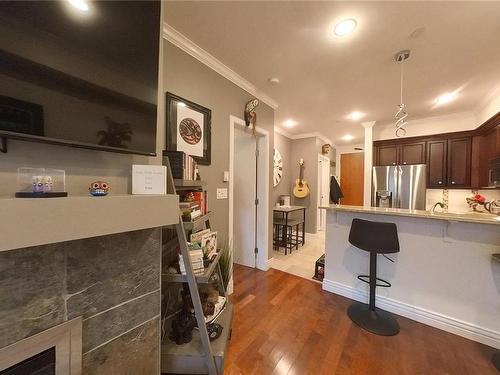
284, 324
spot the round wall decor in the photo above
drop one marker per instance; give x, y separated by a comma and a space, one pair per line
278, 167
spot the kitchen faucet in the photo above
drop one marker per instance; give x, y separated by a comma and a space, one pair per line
437, 204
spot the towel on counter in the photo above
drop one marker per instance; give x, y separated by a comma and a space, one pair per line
335, 191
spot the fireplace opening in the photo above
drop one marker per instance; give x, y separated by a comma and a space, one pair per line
43, 363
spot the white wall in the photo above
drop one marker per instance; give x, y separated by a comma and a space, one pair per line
430, 125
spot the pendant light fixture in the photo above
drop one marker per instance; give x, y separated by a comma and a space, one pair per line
401, 114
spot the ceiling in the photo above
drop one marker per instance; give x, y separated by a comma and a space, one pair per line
323, 78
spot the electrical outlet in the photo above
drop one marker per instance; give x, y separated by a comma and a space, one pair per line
222, 193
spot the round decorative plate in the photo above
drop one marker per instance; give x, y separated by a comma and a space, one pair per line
277, 166
190, 131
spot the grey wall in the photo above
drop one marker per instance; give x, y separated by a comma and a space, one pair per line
113, 282
187, 77
307, 149
284, 145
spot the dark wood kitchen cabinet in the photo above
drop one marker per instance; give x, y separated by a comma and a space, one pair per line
387, 155
436, 163
459, 162
400, 154
447, 156
412, 153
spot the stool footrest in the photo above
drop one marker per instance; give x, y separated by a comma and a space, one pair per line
366, 279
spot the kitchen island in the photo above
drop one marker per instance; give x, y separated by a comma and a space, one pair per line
444, 275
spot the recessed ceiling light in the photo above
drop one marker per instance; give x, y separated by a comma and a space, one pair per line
274, 80
345, 27
79, 4
347, 137
446, 98
355, 115
289, 123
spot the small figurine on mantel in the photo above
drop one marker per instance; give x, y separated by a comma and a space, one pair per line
99, 189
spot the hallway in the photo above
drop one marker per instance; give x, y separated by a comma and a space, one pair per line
301, 262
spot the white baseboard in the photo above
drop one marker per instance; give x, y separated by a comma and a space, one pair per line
269, 263
431, 318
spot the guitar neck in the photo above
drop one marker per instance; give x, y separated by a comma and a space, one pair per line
301, 174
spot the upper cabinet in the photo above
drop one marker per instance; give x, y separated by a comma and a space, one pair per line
459, 162
436, 163
387, 155
448, 158
412, 153
400, 154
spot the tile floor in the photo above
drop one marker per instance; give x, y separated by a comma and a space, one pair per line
301, 262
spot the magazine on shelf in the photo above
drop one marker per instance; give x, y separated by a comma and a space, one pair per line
196, 237
209, 244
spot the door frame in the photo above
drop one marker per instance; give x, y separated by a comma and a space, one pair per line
321, 158
262, 261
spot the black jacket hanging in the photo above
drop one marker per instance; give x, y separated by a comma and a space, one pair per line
335, 191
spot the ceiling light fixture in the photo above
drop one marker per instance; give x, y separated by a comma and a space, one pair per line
347, 137
401, 114
446, 98
345, 27
355, 115
181, 104
274, 80
79, 4
289, 123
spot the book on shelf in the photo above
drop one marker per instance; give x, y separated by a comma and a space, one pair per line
183, 166
193, 198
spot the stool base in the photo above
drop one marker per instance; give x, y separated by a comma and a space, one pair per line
496, 360
379, 322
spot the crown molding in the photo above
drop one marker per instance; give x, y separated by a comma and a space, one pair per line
303, 135
283, 132
181, 41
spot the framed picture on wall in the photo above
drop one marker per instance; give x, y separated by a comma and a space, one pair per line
189, 128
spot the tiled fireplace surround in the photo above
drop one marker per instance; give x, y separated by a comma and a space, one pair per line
112, 281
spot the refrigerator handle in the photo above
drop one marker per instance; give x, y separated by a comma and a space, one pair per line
396, 193
400, 173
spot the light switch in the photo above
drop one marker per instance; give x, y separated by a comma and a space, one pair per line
226, 176
222, 193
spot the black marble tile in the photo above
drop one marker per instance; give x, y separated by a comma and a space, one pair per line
31, 291
134, 353
103, 272
112, 323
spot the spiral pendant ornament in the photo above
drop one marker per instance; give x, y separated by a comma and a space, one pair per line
401, 122
401, 114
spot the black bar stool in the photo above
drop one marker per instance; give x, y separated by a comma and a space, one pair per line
376, 238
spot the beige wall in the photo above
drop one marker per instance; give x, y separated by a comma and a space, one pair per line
190, 79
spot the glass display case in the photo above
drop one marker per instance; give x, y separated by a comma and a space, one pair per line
41, 183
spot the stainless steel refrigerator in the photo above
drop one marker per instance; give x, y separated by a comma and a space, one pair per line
399, 186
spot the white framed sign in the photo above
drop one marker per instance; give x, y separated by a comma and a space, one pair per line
149, 179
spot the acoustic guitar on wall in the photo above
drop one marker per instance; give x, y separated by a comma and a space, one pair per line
301, 189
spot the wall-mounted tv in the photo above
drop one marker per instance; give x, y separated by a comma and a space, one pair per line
80, 73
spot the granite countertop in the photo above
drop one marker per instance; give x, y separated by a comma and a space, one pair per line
467, 217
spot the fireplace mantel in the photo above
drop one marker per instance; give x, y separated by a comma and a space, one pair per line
33, 222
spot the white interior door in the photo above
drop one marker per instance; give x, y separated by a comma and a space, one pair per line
324, 189
244, 198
